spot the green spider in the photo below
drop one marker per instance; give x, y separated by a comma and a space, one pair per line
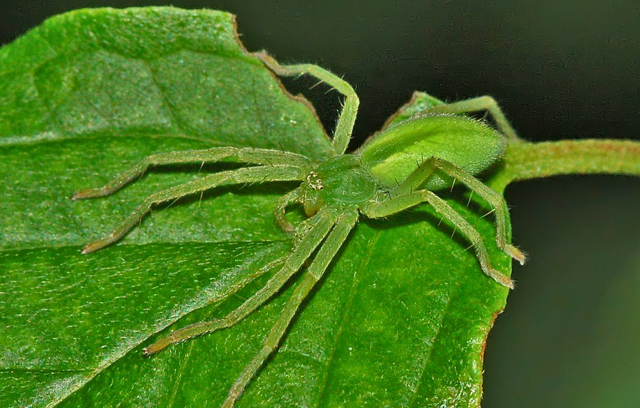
395, 170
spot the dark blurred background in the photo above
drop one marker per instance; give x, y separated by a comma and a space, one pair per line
570, 336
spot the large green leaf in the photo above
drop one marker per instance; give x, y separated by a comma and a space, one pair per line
399, 321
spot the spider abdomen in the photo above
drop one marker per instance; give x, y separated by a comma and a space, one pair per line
396, 152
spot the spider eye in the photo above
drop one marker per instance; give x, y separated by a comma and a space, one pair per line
314, 181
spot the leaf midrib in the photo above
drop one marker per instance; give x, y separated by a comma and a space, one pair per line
154, 243
345, 314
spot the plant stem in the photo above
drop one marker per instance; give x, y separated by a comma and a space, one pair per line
523, 161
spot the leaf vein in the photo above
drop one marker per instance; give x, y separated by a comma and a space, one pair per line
435, 339
345, 314
213, 243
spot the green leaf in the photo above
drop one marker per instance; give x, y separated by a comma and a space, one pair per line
399, 321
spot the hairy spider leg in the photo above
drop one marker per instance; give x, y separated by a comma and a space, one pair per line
327, 252
280, 212
374, 209
229, 291
478, 104
344, 127
244, 155
243, 175
426, 169
324, 221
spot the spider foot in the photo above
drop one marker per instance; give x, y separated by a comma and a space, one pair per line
184, 334
158, 346
516, 254
90, 193
501, 278
99, 244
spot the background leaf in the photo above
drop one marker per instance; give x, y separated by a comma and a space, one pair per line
400, 320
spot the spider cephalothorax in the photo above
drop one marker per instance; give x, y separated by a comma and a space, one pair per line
339, 182
394, 171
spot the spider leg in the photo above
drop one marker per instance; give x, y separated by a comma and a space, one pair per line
243, 175
283, 202
393, 205
478, 104
232, 289
314, 273
299, 254
344, 127
244, 155
426, 169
